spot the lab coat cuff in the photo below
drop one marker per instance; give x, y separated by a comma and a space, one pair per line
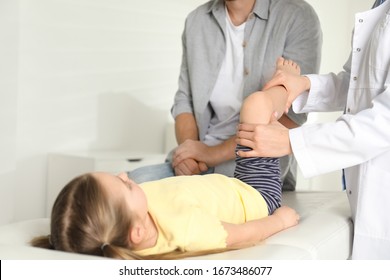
299, 103
305, 100
301, 153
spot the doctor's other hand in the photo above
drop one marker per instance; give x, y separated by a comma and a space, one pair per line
271, 140
288, 75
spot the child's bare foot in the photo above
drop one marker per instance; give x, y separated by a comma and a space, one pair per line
288, 74
288, 66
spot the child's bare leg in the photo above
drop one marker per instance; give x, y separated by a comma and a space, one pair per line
259, 106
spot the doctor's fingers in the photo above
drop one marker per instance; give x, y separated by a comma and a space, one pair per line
257, 149
288, 105
244, 154
246, 142
278, 79
246, 127
242, 134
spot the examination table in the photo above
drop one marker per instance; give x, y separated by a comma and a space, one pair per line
324, 232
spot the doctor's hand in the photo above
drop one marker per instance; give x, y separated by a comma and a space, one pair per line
288, 75
271, 140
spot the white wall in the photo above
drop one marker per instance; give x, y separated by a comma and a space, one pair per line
90, 74
81, 74
9, 17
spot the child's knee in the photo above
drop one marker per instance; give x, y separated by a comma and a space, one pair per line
256, 108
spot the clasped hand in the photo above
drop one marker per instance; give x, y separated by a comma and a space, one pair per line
190, 158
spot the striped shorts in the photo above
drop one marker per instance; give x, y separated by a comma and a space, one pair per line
263, 174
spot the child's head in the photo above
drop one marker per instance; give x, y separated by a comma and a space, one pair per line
93, 214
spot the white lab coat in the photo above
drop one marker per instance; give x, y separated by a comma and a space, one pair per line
359, 141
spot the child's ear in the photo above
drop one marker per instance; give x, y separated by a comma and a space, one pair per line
136, 234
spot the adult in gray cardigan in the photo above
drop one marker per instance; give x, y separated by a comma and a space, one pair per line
230, 48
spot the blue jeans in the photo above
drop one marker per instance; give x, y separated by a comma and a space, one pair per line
151, 172
155, 172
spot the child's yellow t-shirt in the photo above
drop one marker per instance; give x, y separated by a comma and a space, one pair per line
188, 210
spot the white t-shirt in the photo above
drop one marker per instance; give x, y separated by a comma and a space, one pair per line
226, 98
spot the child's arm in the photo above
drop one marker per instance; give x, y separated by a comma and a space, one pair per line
253, 232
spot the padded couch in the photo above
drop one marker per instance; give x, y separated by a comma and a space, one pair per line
324, 233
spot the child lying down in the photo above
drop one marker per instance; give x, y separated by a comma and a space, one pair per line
106, 215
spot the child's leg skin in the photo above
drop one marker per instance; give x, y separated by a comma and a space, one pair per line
259, 107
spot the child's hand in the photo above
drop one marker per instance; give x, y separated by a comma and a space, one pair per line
287, 215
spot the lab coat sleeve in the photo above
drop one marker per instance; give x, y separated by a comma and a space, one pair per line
328, 93
351, 140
